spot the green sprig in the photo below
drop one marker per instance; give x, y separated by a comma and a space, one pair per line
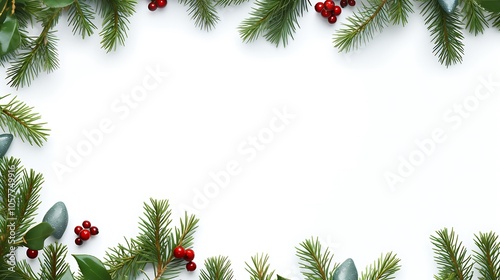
315, 262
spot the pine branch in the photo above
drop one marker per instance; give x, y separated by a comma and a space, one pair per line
383, 268
115, 14
259, 270
275, 20
53, 265
80, 15
488, 256
125, 261
225, 3
217, 268
19, 119
451, 256
24, 271
10, 170
203, 13
316, 263
494, 18
399, 11
28, 200
446, 32
372, 18
475, 16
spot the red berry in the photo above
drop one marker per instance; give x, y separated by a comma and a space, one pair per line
152, 6
85, 234
332, 19
86, 224
191, 266
78, 229
352, 2
189, 255
32, 253
337, 10
319, 7
329, 5
179, 252
78, 241
326, 13
161, 3
343, 3
94, 230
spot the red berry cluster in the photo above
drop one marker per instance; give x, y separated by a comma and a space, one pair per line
84, 232
330, 11
186, 254
155, 4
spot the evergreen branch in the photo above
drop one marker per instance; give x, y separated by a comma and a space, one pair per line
10, 170
383, 268
53, 265
125, 261
488, 256
24, 271
39, 55
446, 32
362, 25
276, 20
80, 15
217, 268
115, 14
225, 3
203, 13
259, 270
399, 11
27, 200
495, 20
475, 16
316, 262
19, 119
451, 256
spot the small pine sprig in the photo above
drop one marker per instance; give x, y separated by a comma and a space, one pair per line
21, 121
383, 268
54, 263
217, 268
81, 16
259, 269
475, 17
125, 260
488, 256
203, 12
451, 256
315, 262
115, 15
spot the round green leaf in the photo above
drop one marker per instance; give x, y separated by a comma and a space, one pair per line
36, 236
10, 38
490, 5
91, 268
57, 3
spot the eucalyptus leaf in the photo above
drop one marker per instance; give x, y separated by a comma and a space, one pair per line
10, 37
490, 5
36, 236
91, 268
58, 3
67, 275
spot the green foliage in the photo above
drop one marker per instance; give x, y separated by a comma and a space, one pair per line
115, 15
451, 256
383, 268
487, 257
315, 262
475, 16
35, 237
259, 269
217, 268
91, 268
203, 12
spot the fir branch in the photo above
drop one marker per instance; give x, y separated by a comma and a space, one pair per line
203, 13
494, 18
275, 20
446, 32
259, 270
372, 18
475, 16
488, 256
316, 263
24, 271
10, 171
399, 11
451, 256
53, 265
28, 200
225, 3
19, 119
125, 261
115, 14
40, 54
217, 268
80, 15
383, 268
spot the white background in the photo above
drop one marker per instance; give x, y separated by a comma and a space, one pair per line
355, 116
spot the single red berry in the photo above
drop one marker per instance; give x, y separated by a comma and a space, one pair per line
352, 3
191, 266
161, 3
343, 3
78, 241
189, 255
332, 19
179, 252
329, 5
78, 229
326, 13
337, 10
319, 7
86, 224
85, 234
32, 253
94, 230
152, 6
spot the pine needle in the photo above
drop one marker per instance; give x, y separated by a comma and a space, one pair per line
203, 13
451, 256
315, 262
259, 269
383, 268
488, 256
474, 16
217, 268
